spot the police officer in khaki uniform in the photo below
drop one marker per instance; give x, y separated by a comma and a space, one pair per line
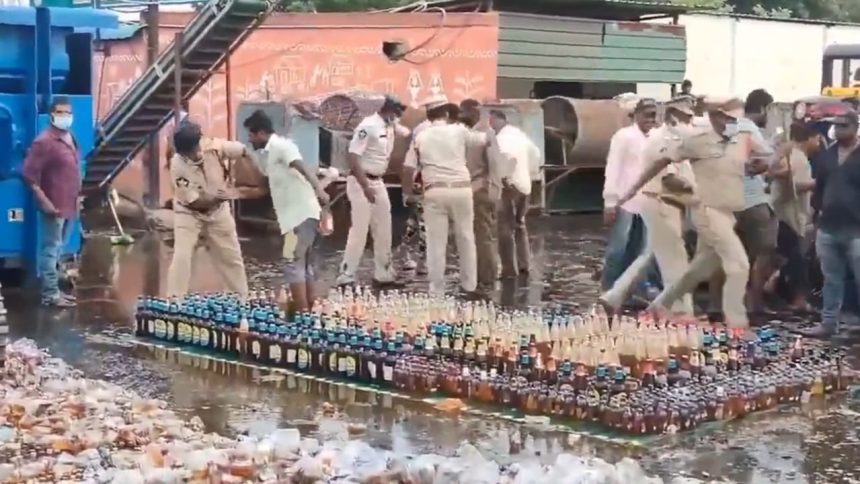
199, 170
663, 209
440, 157
486, 193
369, 153
717, 153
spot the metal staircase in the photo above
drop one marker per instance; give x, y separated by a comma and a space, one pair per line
217, 30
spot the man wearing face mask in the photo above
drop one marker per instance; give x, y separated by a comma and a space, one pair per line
369, 153
199, 172
663, 209
52, 169
718, 155
835, 201
757, 225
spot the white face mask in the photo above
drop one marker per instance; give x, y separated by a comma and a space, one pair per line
62, 121
731, 130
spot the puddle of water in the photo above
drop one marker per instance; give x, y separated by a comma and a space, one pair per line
793, 445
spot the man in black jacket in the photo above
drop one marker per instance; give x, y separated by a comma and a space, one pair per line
836, 201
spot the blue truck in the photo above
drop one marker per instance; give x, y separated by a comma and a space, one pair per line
45, 52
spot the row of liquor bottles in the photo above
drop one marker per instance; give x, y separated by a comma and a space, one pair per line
685, 389
218, 323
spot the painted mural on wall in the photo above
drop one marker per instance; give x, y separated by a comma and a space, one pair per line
326, 54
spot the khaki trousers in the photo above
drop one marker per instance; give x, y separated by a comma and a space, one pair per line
718, 246
374, 217
514, 250
665, 242
486, 241
441, 207
219, 229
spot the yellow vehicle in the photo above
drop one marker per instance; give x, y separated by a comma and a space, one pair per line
840, 76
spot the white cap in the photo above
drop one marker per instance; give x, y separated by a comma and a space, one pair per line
435, 101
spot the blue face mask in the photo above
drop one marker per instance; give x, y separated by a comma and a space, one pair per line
731, 130
62, 121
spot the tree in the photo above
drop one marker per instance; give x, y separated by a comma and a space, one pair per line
837, 10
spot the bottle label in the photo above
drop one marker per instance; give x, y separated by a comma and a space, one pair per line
332, 363
160, 329
275, 353
204, 337
255, 348
341, 364
171, 330
150, 326
216, 339
303, 358
371, 369
291, 356
387, 372
195, 335
349, 366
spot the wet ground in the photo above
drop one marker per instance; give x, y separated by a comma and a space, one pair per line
816, 443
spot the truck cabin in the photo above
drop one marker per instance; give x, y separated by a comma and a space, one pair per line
840, 76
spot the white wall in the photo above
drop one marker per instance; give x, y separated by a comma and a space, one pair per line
732, 56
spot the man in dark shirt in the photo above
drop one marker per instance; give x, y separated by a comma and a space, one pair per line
836, 200
52, 169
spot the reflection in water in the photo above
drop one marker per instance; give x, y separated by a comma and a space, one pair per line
813, 443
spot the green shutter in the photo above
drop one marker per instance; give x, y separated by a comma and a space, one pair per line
572, 49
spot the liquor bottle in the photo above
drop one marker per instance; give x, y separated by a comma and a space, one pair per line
196, 316
291, 346
171, 321
140, 316
389, 363
304, 356
351, 357
375, 362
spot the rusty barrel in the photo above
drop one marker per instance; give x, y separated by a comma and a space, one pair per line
586, 125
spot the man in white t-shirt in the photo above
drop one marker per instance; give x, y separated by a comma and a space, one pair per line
296, 197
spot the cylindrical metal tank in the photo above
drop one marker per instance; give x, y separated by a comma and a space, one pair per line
343, 112
585, 125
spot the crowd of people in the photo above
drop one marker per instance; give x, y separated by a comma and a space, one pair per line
459, 172
708, 167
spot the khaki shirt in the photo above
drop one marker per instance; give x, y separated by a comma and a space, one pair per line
191, 179
483, 169
660, 141
441, 152
793, 208
718, 166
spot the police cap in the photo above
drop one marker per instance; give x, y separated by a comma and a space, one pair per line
683, 103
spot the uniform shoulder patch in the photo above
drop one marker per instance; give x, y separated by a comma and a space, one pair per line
362, 133
182, 182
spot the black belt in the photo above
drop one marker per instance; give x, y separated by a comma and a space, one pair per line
205, 212
370, 177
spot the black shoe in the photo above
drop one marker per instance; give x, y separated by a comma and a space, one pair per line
818, 331
472, 295
59, 302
